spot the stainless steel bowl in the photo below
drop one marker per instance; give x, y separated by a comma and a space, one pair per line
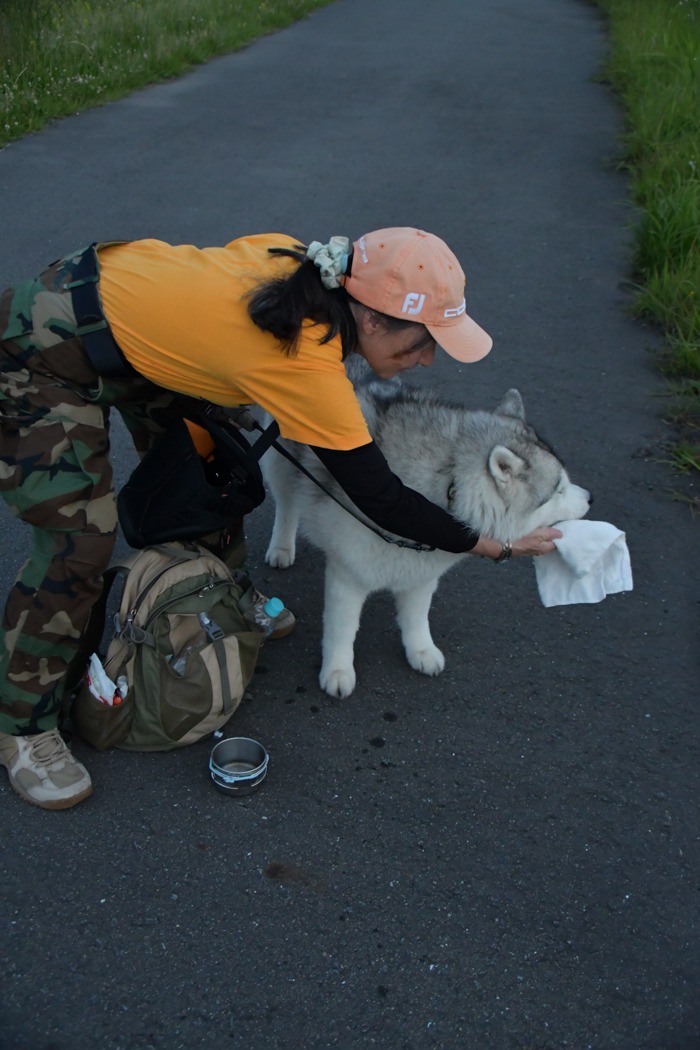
238, 765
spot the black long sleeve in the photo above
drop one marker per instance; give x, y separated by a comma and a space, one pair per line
364, 474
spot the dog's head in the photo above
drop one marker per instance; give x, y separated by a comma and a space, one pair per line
523, 484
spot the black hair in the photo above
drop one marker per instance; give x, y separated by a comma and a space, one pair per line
280, 306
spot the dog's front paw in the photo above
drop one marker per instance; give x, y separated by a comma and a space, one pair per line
427, 661
339, 682
280, 557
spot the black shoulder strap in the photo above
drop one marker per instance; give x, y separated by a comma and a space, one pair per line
251, 455
93, 328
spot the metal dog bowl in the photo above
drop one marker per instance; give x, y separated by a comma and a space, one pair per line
238, 765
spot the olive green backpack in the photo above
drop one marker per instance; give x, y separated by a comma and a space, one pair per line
183, 644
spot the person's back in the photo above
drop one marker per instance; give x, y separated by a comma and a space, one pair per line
180, 314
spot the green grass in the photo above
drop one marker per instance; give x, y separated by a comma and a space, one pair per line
685, 456
61, 56
655, 67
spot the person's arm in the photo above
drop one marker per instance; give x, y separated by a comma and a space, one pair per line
364, 474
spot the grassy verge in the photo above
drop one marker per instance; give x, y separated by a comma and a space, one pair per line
60, 56
655, 67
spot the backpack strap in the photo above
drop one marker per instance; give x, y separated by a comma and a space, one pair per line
216, 637
226, 698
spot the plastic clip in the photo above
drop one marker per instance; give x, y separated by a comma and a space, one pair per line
211, 629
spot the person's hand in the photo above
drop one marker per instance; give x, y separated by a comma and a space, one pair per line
537, 542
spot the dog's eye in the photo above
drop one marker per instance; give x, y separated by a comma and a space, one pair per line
559, 490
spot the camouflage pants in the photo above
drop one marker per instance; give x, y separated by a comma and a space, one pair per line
55, 475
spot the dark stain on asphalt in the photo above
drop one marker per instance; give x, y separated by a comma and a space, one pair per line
389, 716
287, 874
377, 741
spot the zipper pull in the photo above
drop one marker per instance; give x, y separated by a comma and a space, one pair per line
208, 587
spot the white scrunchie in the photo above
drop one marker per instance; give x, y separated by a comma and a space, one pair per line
331, 259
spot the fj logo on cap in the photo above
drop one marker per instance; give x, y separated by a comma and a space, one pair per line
457, 310
411, 298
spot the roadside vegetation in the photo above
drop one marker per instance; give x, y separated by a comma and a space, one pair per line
655, 67
60, 56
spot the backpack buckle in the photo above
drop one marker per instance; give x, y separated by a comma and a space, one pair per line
211, 629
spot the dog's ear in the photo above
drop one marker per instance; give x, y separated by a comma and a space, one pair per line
512, 405
504, 464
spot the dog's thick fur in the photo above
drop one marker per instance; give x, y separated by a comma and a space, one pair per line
502, 478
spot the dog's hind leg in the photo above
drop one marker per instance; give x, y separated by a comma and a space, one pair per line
412, 608
283, 481
341, 618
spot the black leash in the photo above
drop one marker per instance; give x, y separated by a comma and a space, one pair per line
407, 544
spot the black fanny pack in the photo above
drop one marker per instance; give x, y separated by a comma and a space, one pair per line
176, 495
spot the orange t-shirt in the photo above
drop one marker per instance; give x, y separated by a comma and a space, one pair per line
180, 315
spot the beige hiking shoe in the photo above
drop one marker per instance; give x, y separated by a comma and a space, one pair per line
43, 771
282, 623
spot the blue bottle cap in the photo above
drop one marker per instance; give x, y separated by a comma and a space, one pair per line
273, 607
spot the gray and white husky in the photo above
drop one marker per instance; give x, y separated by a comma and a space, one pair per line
489, 469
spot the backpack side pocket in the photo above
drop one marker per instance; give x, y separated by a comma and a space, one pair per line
101, 725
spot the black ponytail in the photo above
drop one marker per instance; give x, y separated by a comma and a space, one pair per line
282, 305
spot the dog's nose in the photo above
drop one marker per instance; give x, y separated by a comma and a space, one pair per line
589, 497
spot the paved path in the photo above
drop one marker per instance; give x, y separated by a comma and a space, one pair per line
517, 867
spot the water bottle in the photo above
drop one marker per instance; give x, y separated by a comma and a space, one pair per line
271, 610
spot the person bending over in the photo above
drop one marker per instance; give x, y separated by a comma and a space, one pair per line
161, 332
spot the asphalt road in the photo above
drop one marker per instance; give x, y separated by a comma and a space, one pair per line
517, 865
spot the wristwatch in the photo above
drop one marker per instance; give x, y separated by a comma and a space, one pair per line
505, 554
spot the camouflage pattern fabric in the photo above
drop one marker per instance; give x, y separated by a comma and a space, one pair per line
55, 475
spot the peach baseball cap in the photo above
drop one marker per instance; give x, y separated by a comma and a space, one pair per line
408, 273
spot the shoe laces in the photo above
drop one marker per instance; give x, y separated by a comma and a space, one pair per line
47, 748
